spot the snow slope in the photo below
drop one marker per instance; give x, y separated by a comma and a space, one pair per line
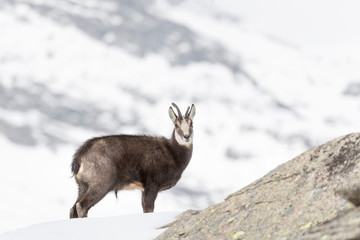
268, 82
132, 227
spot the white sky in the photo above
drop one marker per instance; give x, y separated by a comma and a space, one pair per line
330, 22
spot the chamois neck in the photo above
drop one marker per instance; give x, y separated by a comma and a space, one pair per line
182, 153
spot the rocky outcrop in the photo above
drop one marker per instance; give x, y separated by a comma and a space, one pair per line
314, 196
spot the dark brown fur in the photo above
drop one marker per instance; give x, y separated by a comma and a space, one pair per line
112, 163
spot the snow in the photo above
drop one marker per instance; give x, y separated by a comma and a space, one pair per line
302, 57
134, 227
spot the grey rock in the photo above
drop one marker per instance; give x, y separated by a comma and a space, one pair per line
346, 226
300, 199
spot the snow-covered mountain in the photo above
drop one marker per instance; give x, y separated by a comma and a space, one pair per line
268, 80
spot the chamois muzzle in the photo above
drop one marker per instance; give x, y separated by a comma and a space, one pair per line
187, 136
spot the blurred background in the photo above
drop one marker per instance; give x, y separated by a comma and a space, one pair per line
270, 79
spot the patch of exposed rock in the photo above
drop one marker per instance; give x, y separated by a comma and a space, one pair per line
314, 196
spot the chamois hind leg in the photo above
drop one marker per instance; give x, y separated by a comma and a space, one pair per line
92, 196
82, 190
148, 198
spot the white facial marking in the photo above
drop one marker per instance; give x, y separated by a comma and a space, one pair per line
185, 128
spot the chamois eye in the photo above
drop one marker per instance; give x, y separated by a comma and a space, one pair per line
191, 124
176, 125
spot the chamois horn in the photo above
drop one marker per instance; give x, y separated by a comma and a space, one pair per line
178, 110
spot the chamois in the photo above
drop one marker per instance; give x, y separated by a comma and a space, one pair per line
119, 162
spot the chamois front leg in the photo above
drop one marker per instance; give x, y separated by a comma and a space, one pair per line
148, 198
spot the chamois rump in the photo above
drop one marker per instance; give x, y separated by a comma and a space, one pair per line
119, 162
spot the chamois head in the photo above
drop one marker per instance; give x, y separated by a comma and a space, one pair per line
183, 124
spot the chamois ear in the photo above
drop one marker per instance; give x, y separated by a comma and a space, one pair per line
172, 115
192, 112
